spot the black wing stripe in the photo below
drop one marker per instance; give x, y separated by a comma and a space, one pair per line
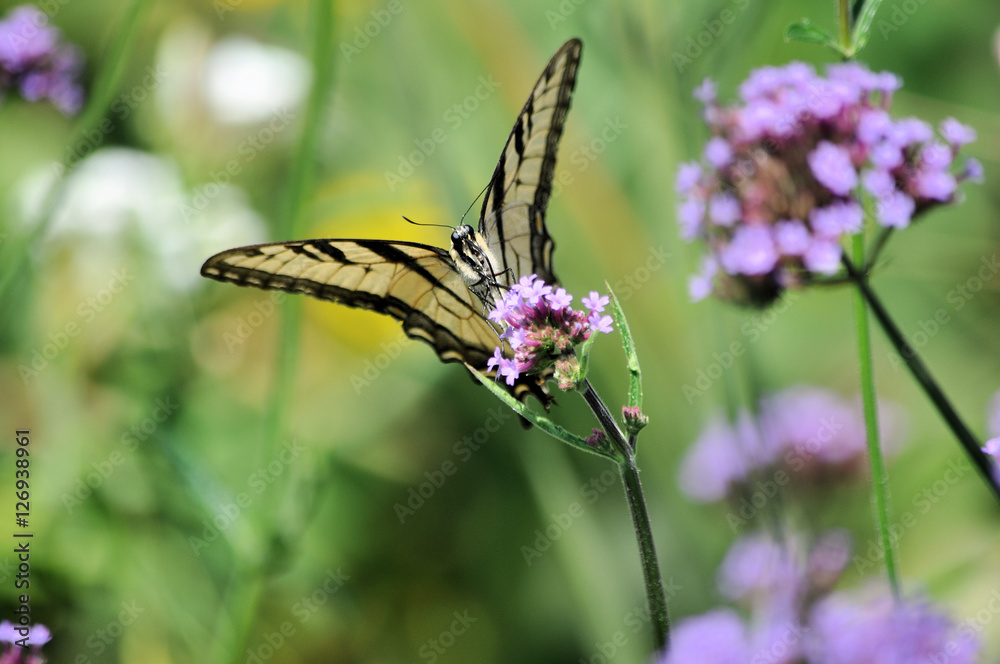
333, 252
394, 255
306, 250
519, 136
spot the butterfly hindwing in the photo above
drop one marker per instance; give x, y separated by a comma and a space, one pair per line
512, 218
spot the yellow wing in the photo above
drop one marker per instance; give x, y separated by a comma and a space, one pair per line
512, 219
414, 283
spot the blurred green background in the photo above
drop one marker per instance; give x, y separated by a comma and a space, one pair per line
178, 519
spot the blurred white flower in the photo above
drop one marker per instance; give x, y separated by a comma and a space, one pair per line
126, 199
233, 81
247, 82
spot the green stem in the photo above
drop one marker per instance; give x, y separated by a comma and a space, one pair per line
922, 375
880, 478
844, 22
300, 178
655, 595
242, 595
876, 248
606, 420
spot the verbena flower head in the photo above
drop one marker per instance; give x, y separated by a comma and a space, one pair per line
543, 330
717, 637
775, 578
34, 62
635, 419
845, 628
807, 433
12, 638
789, 167
793, 618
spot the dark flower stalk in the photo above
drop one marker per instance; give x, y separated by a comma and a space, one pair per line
541, 333
922, 375
655, 595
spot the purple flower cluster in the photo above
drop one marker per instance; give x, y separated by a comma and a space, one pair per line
807, 433
35, 62
795, 618
13, 638
542, 330
790, 168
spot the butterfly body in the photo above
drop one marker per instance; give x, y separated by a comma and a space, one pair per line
439, 296
476, 264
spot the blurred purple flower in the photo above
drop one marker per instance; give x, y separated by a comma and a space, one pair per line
831, 165
992, 447
844, 630
751, 251
717, 460
822, 256
762, 573
11, 651
805, 431
956, 133
718, 637
700, 283
895, 210
973, 171
723, 209
774, 579
796, 147
35, 63
794, 619
827, 560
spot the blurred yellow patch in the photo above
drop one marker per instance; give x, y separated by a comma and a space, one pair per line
360, 206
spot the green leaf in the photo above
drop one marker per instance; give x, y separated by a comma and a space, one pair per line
631, 359
540, 421
583, 353
806, 31
862, 28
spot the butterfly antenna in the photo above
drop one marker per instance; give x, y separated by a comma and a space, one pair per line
415, 223
462, 220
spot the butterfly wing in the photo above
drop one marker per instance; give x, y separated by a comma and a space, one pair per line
416, 284
512, 219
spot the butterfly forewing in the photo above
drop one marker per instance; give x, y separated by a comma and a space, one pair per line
512, 218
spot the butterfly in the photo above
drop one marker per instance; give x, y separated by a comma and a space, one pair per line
441, 297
